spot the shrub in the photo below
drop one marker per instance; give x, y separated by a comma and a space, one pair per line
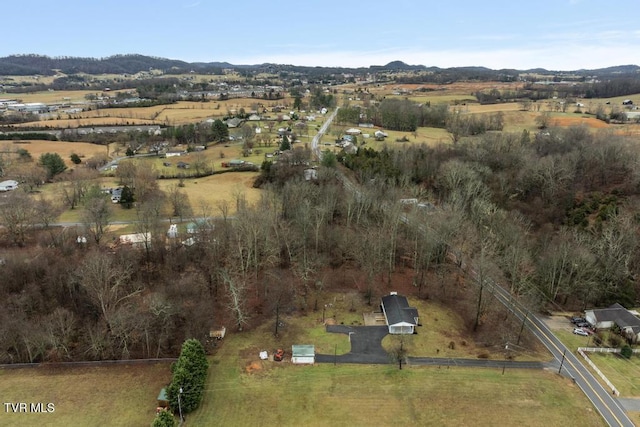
164, 419
626, 352
615, 340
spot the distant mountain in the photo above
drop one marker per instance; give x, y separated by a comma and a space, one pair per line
32, 64
399, 66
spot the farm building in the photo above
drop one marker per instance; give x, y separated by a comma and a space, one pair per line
303, 354
616, 315
400, 318
8, 185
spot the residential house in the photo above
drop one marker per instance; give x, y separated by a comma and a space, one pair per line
616, 315
399, 316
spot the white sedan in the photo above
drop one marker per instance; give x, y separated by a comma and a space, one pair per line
580, 331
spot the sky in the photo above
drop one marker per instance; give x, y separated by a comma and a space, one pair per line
552, 34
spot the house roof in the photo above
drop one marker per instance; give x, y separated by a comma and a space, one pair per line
303, 350
619, 315
396, 308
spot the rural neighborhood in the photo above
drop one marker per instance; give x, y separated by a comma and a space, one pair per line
192, 243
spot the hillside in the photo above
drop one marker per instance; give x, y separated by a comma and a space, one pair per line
32, 64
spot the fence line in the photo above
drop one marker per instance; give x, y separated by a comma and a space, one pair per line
86, 363
583, 352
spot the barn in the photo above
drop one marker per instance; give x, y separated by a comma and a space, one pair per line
400, 317
303, 354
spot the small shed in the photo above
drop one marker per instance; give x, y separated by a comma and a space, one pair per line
303, 354
163, 399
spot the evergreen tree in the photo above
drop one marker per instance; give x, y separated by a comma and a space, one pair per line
53, 164
285, 144
219, 131
127, 197
189, 375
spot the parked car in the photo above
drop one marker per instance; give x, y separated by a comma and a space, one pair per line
580, 331
583, 325
576, 320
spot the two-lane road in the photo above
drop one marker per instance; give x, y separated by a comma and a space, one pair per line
603, 400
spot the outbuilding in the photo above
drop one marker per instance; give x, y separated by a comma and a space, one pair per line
163, 399
303, 354
400, 317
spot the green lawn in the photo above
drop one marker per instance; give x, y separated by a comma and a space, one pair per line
353, 395
623, 373
118, 395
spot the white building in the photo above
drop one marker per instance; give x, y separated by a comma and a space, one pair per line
8, 185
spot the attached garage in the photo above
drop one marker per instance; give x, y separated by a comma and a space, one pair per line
303, 354
400, 318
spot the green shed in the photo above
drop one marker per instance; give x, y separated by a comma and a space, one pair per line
163, 399
303, 354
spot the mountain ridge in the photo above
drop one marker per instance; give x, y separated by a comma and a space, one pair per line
31, 64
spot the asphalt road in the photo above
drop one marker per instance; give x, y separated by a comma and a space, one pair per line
603, 400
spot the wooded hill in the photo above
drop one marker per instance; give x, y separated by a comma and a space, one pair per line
33, 64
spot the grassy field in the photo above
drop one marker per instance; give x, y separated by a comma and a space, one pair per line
623, 373
65, 149
351, 395
118, 395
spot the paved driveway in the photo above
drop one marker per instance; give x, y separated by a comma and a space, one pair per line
366, 345
366, 348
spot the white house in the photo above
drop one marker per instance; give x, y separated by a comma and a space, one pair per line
400, 318
615, 315
8, 185
303, 354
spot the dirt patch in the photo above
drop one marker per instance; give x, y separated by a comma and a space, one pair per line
557, 322
579, 120
254, 367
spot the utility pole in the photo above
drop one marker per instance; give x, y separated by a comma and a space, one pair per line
561, 362
522, 327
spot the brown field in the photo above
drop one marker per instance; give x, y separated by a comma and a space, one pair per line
218, 189
65, 149
183, 112
51, 97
